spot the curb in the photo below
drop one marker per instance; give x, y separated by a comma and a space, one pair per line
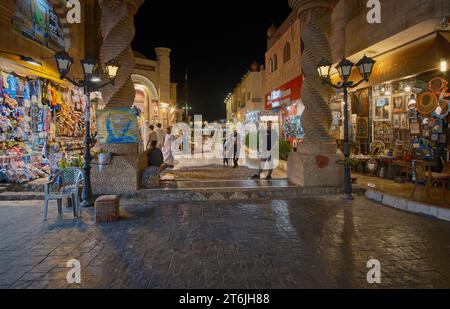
408, 206
21, 196
231, 194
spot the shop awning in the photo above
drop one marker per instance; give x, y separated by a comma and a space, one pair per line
9, 65
416, 58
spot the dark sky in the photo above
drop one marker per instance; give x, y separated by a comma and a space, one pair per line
218, 40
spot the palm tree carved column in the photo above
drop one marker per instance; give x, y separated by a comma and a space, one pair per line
123, 175
315, 162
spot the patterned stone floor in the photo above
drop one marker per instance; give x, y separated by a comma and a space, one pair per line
306, 243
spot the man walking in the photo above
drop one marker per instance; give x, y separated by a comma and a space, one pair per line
268, 144
236, 148
160, 134
152, 136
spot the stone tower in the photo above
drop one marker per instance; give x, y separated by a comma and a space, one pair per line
163, 56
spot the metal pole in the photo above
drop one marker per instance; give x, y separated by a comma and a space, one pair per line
347, 171
87, 188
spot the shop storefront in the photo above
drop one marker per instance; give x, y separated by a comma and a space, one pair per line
286, 102
41, 126
396, 120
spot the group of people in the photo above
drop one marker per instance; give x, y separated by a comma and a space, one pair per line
231, 149
160, 147
160, 155
268, 139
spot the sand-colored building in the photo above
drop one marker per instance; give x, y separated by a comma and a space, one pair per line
283, 77
156, 96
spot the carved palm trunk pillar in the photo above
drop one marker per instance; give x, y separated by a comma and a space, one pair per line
315, 162
123, 175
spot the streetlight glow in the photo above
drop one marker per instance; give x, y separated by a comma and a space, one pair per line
443, 65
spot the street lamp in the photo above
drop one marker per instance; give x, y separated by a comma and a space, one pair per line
344, 68
187, 108
90, 83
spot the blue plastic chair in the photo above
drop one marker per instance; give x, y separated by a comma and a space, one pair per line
66, 184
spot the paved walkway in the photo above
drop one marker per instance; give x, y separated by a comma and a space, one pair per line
307, 243
404, 190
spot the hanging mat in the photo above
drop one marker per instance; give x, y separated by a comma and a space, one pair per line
427, 102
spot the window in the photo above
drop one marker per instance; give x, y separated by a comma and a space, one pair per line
270, 65
275, 63
287, 52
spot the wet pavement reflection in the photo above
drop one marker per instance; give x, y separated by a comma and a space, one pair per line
304, 243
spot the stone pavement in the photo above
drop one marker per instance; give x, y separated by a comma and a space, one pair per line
404, 190
303, 243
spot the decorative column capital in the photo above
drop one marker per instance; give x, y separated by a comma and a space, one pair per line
303, 6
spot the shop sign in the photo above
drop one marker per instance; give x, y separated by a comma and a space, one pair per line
285, 95
37, 20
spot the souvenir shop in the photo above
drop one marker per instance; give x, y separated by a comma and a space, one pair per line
395, 123
286, 102
41, 126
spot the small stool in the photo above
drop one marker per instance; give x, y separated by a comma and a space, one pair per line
107, 208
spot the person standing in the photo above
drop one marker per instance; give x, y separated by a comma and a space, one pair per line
160, 134
268, 143
225, 150
236, 148
167, 149
152, 136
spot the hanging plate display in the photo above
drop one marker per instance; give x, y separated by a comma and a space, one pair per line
427, 102
437, 84
443, 108
419, 86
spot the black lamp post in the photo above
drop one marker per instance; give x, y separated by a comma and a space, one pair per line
344, 68
90, 83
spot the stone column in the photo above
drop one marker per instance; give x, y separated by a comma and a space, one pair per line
117, 29
315, 162
123, 175
163, 56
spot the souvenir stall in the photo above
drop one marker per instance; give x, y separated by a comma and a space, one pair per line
408, 122
286, 102
291, 118
40, 127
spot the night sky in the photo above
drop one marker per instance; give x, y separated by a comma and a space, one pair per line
217, 40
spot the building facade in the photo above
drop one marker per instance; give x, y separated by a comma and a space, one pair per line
409, 85
40, 114
246, 101
283, 77
251, 94
156, 96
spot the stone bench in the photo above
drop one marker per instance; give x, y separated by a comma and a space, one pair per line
107, 208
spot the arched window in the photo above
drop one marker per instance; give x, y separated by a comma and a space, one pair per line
270, 65
275, 62
287, 52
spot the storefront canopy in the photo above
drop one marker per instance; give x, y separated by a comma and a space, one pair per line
9, 64
420, 56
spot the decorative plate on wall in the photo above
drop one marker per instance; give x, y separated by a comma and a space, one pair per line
427, 102
437, 84
419, 86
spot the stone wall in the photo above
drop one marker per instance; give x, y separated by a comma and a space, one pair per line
14, 42
289, 32
396, 17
